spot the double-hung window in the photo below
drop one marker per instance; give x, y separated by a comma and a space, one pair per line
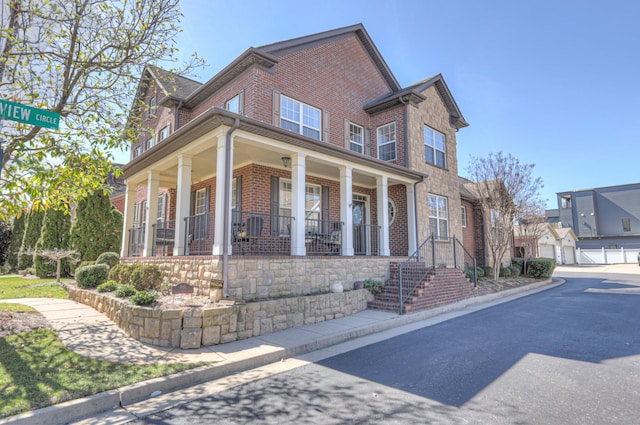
300, 118
312, 204
162, 208
164, 133
463, 210
233, 104
153, 107
434, 147
149, 143
438, 217
356, 138
387, 142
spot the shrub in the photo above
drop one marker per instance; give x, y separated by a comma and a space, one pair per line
108, 286
146, 278
488, 271
505, 271
109, 258
124, 291
515, 270
144, 297
122, 273
541, 268
517, 265
91, 276
469, 273
374, 286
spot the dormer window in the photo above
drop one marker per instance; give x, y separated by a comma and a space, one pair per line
153, 107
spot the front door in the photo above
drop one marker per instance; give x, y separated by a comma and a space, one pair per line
359, 226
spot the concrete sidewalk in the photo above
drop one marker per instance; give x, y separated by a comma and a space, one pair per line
89, 333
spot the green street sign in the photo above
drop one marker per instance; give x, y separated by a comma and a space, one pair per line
28, 115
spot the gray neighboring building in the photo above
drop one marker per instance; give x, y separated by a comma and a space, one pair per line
604, 217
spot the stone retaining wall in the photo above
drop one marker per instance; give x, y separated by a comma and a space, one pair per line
254, 278
194, 327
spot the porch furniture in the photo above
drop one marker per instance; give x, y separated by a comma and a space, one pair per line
250, 235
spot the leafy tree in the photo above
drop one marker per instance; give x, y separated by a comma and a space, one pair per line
5, 240
55, 236
531, 227
505, 188
79, 58
97, 227
17, 233
32, 233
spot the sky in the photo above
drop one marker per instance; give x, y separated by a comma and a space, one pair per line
554, 83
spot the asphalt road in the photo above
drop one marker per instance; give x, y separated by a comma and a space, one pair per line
569, 355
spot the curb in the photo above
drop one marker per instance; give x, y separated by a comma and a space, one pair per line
109, 400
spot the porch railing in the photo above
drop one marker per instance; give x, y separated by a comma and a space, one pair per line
366, 239
199, 234
323, 237
257, 233
432, 253
163, 237
136, 241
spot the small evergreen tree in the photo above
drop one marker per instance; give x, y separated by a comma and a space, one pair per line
97, 227
5, 240
17, 233
55, 235
32, 232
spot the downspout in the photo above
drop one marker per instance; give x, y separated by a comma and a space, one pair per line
176, 123
227, 202
405, 126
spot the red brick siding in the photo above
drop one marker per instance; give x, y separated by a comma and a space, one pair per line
398, 237
468, 233
152, 126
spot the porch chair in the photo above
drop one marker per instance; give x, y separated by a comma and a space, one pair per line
251, 233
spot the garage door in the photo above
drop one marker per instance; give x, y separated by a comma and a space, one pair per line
569, 255
547, 251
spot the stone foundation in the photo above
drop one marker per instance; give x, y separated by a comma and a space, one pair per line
256, 278
193, 327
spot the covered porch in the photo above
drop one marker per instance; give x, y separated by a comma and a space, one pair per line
238, 187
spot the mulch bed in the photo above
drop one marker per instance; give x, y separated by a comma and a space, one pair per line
14, 322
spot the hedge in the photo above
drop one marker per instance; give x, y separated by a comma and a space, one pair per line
541, 268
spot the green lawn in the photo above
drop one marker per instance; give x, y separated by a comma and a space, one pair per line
19, 287
36, 370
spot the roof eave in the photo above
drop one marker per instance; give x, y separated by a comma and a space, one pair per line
215, 117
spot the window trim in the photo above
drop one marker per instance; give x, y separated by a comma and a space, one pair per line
153, 107
394, 141
162, 130
391, 205
352, 142
626, 225
317, 189
162, 208
149, 143
301, 125
434, 147
228, 102
195, 201
445, 220
463, 210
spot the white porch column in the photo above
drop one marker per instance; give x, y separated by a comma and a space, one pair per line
382, 185
346, 213
153, 186
298, 170
183, 199
411, 219
129, 203
221, 186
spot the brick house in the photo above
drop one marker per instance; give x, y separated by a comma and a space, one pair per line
303, 160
